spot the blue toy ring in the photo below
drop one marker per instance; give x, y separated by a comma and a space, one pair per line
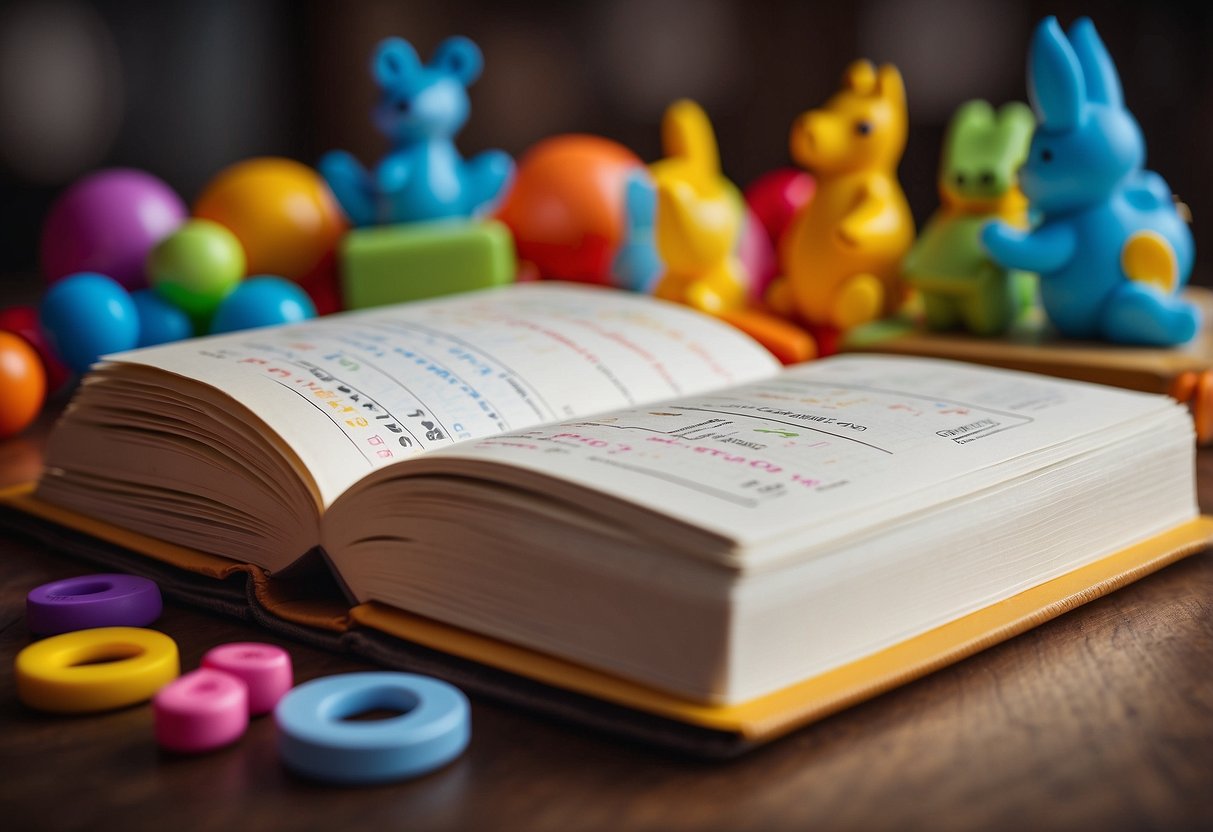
315, 740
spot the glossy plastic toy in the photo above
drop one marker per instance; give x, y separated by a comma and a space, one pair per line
959, 283
24, 383
196, 267
421, 108
700, 216
159, 321
316, 738
86, 316
262, 300
265, 668
88, 671
201, 711
581, 209
88, 601
842, 255
1111, 249
23, 321
107, 223
280, 210
776, 197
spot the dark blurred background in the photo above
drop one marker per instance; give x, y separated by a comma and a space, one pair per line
183, 89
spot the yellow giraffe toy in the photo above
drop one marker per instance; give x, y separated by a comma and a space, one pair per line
699, 216
840, 257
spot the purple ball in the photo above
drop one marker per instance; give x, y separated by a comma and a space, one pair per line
107, 222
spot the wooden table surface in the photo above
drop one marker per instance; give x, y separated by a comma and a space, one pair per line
1102, 719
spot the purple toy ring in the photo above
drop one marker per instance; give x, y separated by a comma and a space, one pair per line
92, 601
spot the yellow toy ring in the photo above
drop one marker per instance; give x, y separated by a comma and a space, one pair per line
95, 670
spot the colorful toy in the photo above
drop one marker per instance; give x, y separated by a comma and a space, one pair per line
107, 223
315, 740
24, 384
281, 211
581, 209
201, 711
196, 267
86, 316
421, 108
159, 321
1111, 249
95, 670
700, 216
23, 321
958, 282
841, 256
90, 601
264, 668
262, 300
398, 263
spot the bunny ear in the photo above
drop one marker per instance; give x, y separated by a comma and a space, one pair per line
1016, 123
1098, 70
395, 59
686, 133
1055, 83
460, 57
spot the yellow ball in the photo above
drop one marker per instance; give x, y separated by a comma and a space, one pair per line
281, 211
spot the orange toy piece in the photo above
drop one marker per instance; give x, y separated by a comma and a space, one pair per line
566, 206
699, 216
23, 381
281, 211
840, 259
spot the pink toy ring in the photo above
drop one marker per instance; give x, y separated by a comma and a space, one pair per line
201, 711
266, 670
90, 601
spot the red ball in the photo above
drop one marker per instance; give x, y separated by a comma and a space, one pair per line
775, 198
23, 321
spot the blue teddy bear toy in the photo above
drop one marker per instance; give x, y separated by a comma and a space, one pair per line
421, 107
1111, 249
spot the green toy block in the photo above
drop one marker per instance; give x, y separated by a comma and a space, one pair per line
397, 263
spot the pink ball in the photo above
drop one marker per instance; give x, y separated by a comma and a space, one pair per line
107, 222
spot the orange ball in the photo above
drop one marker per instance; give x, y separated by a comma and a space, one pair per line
22, 384
566, 206
281, 211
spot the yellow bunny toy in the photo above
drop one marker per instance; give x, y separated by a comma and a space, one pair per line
840, 257
699, 216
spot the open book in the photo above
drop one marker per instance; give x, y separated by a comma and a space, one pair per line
624, 484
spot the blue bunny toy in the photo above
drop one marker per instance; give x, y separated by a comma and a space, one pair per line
1111, 249
421, 107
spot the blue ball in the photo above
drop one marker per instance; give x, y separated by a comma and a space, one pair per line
159, 321
262, 301
86, 316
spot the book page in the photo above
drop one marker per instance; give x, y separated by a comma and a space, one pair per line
354, 392
822, 450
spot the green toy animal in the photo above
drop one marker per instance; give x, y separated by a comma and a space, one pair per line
959, 283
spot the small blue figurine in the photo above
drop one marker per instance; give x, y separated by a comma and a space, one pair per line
421, 107
1111, 249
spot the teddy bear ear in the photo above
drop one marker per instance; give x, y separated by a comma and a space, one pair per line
395, 59
459, 57
1098, 70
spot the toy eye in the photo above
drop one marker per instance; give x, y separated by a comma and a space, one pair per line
960, 179
402, 106
863, 128
987, 178
1046, 155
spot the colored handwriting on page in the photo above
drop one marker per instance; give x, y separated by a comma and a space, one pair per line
354, 392
813, 443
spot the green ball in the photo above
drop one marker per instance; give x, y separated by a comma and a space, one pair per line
196, 267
